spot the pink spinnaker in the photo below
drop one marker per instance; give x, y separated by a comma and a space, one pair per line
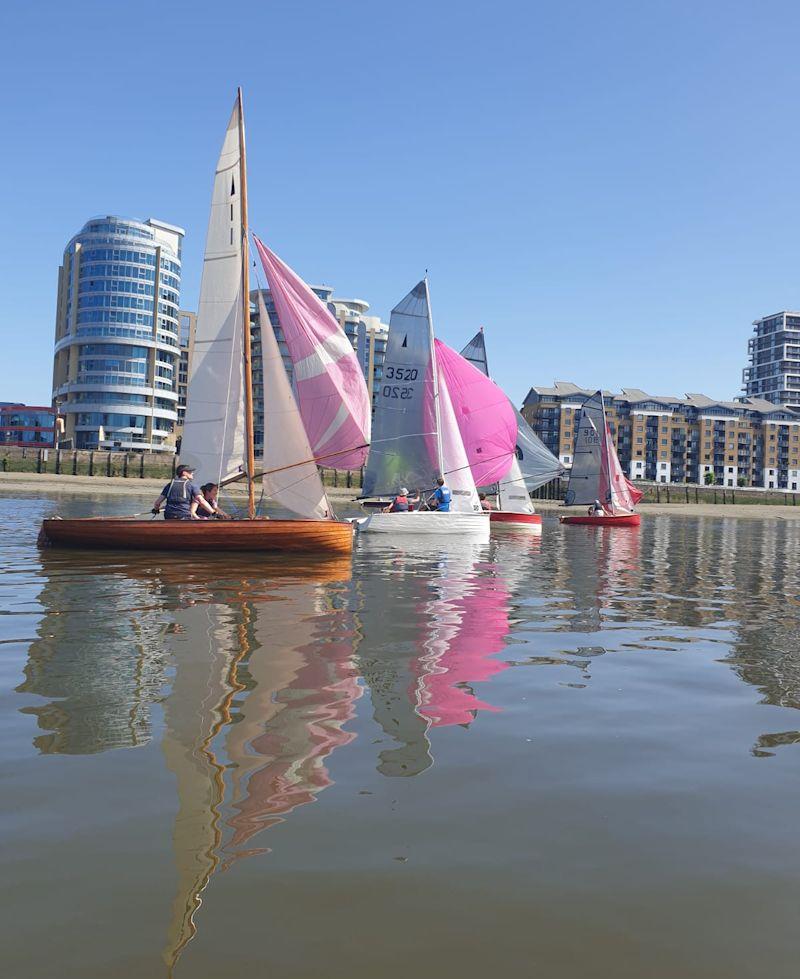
619, 490
485, 416
331, 391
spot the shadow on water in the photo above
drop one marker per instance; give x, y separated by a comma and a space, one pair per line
250, 672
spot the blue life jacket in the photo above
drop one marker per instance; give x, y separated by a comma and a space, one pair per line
442, 497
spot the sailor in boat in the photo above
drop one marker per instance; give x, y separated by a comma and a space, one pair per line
183, 497
441, 497
485, 503
210, 493
400, 504
596, 509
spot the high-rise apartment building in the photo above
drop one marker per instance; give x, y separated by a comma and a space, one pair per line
117, 335
774, 354
751, 442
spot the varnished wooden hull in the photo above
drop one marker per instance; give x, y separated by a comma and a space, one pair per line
624, 520
268, 536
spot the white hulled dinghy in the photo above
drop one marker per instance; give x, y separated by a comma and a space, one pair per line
416, 438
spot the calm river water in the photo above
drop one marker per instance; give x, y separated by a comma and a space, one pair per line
572, 756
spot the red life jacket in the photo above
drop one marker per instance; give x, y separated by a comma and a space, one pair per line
400, 504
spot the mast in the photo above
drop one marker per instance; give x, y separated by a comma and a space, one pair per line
250, 451
435, 375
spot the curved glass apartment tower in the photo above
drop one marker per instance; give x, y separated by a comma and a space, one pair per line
117, 335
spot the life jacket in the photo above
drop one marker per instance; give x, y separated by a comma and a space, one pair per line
442, 494
399, 504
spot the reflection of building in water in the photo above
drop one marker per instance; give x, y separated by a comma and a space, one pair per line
698, 574
97, 659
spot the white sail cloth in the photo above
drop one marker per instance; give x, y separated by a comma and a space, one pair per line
214, 429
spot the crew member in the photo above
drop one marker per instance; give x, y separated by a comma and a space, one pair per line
441, 497
596, 509
182, 496
400, 503
210, 493
486, 504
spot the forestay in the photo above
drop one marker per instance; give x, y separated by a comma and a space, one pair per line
214, 431
331, 391
291, 477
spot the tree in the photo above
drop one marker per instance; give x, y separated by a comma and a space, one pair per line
741, 481
708, 479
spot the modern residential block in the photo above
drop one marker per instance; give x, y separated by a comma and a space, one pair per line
774, 354
751, 442
117, 335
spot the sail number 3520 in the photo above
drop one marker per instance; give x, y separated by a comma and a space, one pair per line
401, 373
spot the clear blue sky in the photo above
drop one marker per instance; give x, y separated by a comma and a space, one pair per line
610, 188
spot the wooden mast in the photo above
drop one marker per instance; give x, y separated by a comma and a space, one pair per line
250, 451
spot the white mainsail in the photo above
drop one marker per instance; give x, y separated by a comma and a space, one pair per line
214, 428
291, 477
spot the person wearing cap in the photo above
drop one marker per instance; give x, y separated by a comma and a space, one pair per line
400, 503
182, 496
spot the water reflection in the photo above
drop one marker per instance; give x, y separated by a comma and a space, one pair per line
253, 677
419, 666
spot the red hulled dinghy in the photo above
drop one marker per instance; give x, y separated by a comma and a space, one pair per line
596, 477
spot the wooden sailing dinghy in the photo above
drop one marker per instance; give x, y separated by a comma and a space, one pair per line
416, 434
597, 474
531, 466
328, 420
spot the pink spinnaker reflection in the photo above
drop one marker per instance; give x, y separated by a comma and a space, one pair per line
331, 391
467, 631
297, 741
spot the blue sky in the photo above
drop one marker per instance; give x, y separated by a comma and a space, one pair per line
610, 189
